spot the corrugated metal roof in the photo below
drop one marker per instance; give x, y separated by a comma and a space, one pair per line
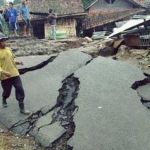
130, 24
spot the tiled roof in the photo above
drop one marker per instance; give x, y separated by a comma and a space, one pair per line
141, 2
62, 7
98, 18
38, 5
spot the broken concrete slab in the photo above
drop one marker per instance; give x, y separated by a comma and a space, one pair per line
44, 120
144, 92
110, 115
48, 134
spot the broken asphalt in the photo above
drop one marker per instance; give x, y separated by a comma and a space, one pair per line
86, 103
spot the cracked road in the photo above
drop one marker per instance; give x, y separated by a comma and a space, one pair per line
88, 104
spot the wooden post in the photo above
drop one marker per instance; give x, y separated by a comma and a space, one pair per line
145, 24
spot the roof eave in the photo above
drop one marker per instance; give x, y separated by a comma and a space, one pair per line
135, 3
87, 7
116, 19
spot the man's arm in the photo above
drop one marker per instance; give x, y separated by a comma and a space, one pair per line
21, 13
16, 61
54, 16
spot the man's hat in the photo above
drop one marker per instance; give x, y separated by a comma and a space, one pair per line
2, 36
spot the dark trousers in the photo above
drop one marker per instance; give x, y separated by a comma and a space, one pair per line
7, 86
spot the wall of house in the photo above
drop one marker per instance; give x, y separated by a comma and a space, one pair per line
65, 25
103, 5
41, 29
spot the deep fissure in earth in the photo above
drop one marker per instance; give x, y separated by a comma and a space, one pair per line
64, 111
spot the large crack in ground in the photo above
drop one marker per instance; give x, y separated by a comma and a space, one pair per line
36, 67
64, 111
66, 108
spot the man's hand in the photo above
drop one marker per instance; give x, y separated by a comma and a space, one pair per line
7, 74
19, 63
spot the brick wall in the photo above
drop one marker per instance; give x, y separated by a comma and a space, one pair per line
67, 25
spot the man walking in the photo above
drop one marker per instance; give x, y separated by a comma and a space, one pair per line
9, 75
52, 21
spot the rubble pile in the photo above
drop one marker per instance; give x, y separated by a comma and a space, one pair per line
34, 46
101, 47
139, 57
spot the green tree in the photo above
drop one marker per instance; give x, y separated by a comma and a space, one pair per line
17, 2
1, 3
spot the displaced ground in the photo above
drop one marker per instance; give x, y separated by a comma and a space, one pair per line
12, 141
27, 47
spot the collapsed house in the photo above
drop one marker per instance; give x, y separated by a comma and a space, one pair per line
69, 17
136, 32
103, 14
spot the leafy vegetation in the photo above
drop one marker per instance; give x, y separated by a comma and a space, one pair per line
17, 2
1, 3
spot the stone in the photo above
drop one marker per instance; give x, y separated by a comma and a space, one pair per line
107, 42
88, 39
44, 120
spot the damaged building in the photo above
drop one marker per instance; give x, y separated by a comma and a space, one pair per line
136, 32
68, 20
104, 14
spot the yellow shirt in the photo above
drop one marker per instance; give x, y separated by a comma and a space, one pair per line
7, 63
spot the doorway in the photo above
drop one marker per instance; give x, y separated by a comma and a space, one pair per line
38, 29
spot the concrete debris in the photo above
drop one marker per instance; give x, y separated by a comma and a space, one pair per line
88, 39
108, 42
44, 120
47, 135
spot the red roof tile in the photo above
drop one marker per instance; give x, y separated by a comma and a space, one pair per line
98, 18
62, 7
141, 2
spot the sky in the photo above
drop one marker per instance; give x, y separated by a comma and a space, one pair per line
9, 1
